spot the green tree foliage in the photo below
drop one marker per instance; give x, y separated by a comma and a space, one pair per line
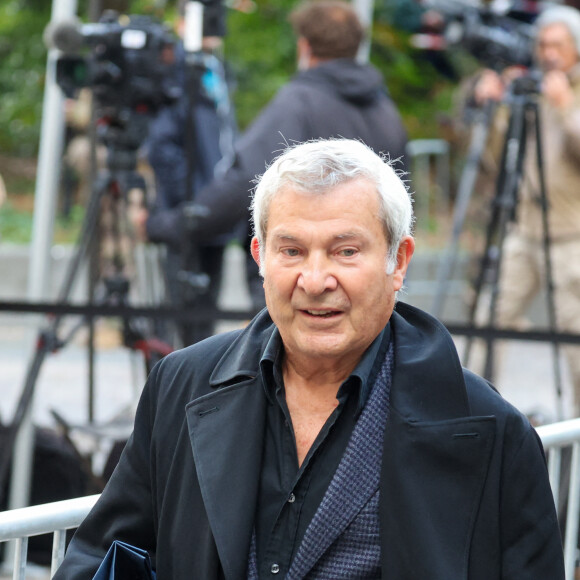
22, 69
260, 50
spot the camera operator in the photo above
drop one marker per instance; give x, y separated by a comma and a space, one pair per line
557, 52
211, 128
332, 95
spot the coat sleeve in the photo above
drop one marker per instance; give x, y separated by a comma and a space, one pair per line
227, 197
125, 511
531, 543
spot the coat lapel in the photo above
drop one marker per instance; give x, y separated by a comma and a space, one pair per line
436, 456
226, 430
432, 484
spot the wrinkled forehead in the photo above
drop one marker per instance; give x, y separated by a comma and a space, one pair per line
353, 216
312, 198
555, 34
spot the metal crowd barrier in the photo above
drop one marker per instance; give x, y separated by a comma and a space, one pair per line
429, 161
51, 518
60, 516
555, 438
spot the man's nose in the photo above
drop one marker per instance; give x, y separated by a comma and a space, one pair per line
550, 54
317, 276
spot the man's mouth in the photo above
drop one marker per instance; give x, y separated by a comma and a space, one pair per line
322, 313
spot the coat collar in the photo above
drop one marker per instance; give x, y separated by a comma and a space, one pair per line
242, 359
422, 346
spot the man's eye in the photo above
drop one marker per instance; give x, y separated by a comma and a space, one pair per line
291, 252
348, 252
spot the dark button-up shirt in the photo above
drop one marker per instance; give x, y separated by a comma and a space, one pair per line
290, 494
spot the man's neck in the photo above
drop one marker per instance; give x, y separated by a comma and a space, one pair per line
311, 400
318, 374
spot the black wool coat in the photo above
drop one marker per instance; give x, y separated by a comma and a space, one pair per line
464, 490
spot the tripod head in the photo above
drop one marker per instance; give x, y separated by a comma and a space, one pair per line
530, 84
122, 132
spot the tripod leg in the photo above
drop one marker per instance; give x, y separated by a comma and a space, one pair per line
488, 370
486, 262
551, 308
85, 237
515, 150
118, 264
503, 211
465, 192
92, 284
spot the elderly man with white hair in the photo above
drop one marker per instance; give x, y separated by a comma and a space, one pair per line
336, 437
522, 275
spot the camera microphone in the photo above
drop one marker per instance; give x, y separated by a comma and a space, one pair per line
70, 36
66, 36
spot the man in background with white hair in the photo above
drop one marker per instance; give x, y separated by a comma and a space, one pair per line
336, 437
522, 275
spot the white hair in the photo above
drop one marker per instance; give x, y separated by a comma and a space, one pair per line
319, 166
566, 15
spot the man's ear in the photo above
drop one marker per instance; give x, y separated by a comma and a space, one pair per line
303, 53
255, 249
404, 255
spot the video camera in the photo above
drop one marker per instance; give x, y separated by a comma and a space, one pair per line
494, 38
129, 65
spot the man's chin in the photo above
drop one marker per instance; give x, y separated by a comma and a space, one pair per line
325, 346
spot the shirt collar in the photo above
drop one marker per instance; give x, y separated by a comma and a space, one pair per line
362, 377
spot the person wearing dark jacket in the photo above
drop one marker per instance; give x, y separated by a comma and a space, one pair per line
332, 95
189, 141
337, 436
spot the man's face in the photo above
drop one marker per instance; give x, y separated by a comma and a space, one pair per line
324, 266
555, 48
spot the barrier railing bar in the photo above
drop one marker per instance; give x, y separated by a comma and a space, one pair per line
58, 547
43, 519
573, 513
20, 554
554, 464
560, 434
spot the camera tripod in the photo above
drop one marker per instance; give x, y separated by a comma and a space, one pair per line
524, 114
106, 240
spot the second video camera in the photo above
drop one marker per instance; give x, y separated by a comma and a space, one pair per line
496, 39
129, 65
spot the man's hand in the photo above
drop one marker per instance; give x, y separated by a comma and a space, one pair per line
557, 90
489, 87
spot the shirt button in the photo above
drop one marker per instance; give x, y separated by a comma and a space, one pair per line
291, 498
275, 569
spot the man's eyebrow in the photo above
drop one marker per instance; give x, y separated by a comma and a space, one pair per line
285, 237
348, 235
